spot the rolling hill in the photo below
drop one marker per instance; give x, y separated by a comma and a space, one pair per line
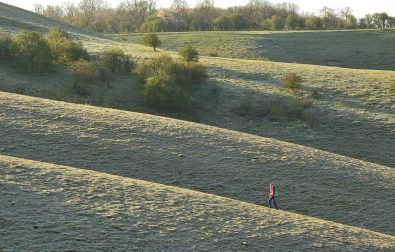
49, 207
366, 49
80, 177
199, 157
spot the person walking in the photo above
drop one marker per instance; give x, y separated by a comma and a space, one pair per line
272, 194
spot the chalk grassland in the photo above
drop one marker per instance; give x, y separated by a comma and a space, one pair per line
355, 108
199, 157
50, 207
368, 49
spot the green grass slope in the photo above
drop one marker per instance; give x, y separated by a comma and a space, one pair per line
368, 49
199, 157
49, 207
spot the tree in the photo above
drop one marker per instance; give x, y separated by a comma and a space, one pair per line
30, 51
380, 20
275, 23
135, 12
292, 21
90, 9
70, 11
313, 23
152, 39
189, 54
329, 18
205, 14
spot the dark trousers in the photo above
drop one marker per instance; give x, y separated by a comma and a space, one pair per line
274, 202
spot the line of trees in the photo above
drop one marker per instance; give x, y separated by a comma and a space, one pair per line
143, 16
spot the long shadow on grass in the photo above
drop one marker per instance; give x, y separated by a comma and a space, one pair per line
199, 158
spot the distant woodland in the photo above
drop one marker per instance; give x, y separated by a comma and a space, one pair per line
143, 16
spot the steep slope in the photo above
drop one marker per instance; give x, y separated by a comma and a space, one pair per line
13, 19
199, 157
48, 207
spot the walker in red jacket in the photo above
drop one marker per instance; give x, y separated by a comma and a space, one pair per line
272, 193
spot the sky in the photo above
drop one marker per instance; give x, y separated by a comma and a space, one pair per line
359, 7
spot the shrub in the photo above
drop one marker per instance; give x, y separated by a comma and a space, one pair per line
5, 45
83, 72
213, 54
31, 52
281, 110
115, 59
164, 94
392, 87
152, 39
168, 84
292, 82
63, 48
189, 54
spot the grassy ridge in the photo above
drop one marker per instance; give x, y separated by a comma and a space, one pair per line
368, 49
87, 210
199, 157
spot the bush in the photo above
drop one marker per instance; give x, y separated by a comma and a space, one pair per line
31, 52
213, 54
83, 72
281, 110
164, 94
5, 45
152, 39
392, 87
292, 82
115, 59
63, 48
167, 84
189, 54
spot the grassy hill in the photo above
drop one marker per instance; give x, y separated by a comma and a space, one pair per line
354, 108
49, 207
199, 157
367, 49
339, 169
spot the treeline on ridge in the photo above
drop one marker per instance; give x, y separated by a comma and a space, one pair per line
143, 16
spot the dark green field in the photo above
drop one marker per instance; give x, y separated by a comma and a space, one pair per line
369, 49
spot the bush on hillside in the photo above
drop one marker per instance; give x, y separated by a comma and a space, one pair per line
63, 48
168, 85
83, 72
152, 40
189, 54
5, 45
292, 82
31, 52
392, 87
280, 110
116, 60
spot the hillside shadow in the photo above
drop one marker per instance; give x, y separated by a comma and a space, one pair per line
349, 49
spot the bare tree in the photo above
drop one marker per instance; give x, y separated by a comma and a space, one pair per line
89, 9
136, 11
70, 11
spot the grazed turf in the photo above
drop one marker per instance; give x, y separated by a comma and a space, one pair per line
48, 207
368, 49
199, 157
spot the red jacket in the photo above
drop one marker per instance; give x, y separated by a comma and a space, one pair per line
272, 190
